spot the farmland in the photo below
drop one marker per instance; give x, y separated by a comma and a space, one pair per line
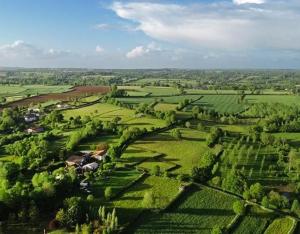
197, 211
148, 155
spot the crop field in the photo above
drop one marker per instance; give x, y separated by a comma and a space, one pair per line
196, 211
221, 103
130, 203
280, 226
74, 93
292, 137
256, 221
151, 90
185, 152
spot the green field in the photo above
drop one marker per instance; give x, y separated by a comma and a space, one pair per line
285, 99
280, 226
197, 211
221, 103
256, 221
185, 152
106, 112
129, 205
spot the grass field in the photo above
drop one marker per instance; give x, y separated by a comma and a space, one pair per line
197, 211
185, 152
130, 203
285, 99
221, 103
106, 112
280, 226
117, 180
153, 91
18, 90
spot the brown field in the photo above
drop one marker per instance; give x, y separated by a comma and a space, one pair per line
77, 91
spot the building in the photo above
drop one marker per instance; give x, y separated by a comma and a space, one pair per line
35, 130
90, 166
99, 155
74, 160
31, 117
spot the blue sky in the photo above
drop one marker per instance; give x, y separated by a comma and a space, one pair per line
150, 34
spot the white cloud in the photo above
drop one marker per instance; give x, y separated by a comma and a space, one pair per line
99, 49
140, 51
219, 25
102, 26
20, 49
240, 2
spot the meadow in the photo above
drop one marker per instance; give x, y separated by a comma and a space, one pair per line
280, 226
185, 152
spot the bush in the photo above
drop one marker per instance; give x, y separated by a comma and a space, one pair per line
108, 193
239, 207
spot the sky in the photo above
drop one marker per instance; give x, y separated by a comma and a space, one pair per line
195, 34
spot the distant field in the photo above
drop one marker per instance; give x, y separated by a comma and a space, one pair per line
107, 112
76, 92
152, 90
221, 103
197, 211
285, 99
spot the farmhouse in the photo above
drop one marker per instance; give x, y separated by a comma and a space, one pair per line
90, 166
99, 155
74, 160
35, 130
31, 117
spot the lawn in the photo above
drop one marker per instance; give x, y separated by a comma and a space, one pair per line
280, 226
186, 152
130, 204
197, 211
117, 180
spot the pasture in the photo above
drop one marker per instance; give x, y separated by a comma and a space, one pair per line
107, 112
186, 151
280, 226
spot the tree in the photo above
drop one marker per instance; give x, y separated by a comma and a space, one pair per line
187, 124
33, 211
108, 193
148, 200
176, 133
257, 191
239, 207
265, 202
216, 230
296, 208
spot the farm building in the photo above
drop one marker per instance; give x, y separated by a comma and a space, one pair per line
35, 130
99, 155
31, 117
90, 166
74, 160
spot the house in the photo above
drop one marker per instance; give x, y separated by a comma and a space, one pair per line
90, 166
99, 155
74, 160
62, 106
31, 117
35, 130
